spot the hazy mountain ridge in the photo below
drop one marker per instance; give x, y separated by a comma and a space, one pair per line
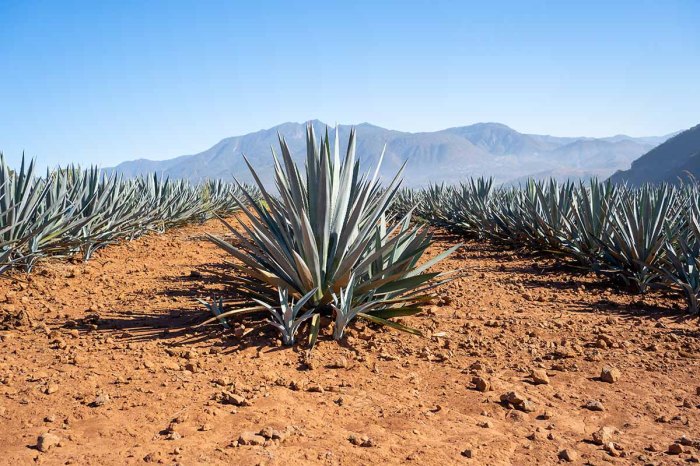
448, 155
676, 159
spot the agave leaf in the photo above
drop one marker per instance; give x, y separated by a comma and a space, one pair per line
389, 323
315, 329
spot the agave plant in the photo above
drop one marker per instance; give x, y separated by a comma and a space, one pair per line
471, 208
345, 311
326, 226
681, 266
683, 271
21, 219
71, 210
591, 221
286, 318
545, 210
644, 235
637, 238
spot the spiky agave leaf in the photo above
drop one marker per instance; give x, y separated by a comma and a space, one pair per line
344, 309
216, 307
287, 317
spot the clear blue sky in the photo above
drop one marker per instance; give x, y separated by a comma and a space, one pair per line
106, 81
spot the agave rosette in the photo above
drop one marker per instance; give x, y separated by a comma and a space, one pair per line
326, 231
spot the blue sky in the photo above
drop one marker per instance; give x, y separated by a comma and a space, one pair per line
102, 82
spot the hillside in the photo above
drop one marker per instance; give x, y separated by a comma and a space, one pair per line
676, 159
450, 155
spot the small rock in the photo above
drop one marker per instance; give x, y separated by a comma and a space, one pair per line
222, 381
315, 388
603, 435
610, 374
153, 457
594, 405
296, 385
468, 452
361, 441
47, 441
205, 427
181, 418
540, 377
675, 449
513, 398
100, 400
229, 398
51, 388
611, 449
568, 455
486, 424
271, 434
526, 406
341, 363
251, 438
481, 384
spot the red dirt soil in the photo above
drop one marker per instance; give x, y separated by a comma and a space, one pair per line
93, 353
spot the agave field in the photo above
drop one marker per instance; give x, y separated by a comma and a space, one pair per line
73, 211
425, 350
646, 237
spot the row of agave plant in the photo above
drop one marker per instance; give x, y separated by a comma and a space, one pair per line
73, 211
645, 237
324, 250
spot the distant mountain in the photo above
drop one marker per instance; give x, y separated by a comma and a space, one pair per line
449, 155
676, 159
499, 139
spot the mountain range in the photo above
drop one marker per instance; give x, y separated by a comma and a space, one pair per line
448, 155
674, 160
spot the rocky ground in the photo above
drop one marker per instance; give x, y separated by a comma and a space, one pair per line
524, 363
